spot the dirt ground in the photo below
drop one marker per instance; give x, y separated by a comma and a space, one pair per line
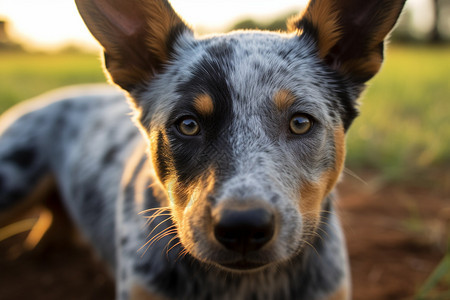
396, 234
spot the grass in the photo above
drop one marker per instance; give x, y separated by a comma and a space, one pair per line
403, 129
430, 289
25, 75
404, 125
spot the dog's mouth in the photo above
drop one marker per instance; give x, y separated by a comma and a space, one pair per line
243, 265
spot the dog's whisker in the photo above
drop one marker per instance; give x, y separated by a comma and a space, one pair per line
166, 208
321, 222
312, 234
169, 249
158, 212
156, 236
160, 236
321, 212
150, 219
322, 230
159, 224
168, 231
152, 210
171, 240
312, 246
356, 176
157, 215
182, 254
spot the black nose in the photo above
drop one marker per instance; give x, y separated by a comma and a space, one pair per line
244, 230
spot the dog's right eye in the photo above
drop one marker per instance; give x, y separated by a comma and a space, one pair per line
188, 126
301, 124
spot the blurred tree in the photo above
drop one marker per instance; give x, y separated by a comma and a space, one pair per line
435, 35
6, 43
277, 24
3, 34
441, 23
246, 24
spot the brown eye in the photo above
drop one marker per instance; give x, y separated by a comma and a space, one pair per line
300, 124
188, 126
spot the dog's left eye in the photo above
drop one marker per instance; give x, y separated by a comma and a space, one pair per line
300, 124
188, 126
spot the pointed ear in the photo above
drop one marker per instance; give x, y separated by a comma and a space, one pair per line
350, 33
136, 36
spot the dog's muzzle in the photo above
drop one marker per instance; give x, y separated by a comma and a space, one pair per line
244, 231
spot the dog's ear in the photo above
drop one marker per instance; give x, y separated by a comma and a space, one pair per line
349, 33
136, 36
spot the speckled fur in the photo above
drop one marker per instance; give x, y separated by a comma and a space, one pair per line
143, 195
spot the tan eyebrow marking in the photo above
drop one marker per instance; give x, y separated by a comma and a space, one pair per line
283, 99
204, 104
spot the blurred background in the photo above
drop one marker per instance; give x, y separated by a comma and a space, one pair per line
394, 196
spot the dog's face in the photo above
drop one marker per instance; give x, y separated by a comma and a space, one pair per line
246, 130
237, 123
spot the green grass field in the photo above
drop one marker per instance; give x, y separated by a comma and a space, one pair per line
404, 127
25, 75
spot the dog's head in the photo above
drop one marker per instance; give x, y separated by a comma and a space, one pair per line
246, 130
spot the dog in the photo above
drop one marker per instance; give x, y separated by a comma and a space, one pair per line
222, 186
